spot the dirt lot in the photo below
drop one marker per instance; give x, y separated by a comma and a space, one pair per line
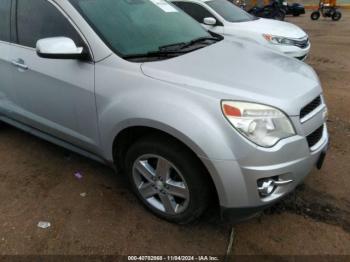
37, 184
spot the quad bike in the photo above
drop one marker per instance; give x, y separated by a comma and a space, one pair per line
274, 11
327, 10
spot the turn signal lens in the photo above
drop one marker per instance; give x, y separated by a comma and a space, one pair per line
261, 124
231, 110
267, 37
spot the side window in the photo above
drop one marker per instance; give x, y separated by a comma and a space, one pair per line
197, 11
5, 10
37, 19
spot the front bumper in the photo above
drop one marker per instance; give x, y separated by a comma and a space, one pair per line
236, 215
238, 186
292, 159
242, 196
294, 51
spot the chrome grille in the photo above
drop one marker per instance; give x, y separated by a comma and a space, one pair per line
303, 43
301, 57
315, 136
310, 107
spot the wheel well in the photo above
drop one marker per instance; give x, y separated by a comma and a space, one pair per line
130, 135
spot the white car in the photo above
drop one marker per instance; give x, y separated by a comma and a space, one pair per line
223, 17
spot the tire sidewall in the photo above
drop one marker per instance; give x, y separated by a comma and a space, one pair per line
336, 16
183, 162
315, 15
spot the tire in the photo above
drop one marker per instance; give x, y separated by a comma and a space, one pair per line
280, 15
315, 15
146, 161
336, 16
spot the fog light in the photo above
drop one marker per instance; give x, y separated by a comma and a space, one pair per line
267, 187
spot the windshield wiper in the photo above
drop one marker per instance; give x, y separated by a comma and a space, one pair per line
182, 45
155, 54
199, 40
172, 47
172, 50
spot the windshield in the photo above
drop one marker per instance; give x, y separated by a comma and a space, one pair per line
131, 27
229, 11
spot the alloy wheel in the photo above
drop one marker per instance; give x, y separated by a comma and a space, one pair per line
161, 184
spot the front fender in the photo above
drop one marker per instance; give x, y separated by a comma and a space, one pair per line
191, 115
188, 121
125, 97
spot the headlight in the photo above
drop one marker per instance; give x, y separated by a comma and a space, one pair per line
261, 124
278, 40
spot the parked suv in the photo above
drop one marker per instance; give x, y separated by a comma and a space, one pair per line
188, 116
224, 17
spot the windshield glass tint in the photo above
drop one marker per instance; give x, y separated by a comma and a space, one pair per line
229, 11
138, 26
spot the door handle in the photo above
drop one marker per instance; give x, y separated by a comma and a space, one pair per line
20, 64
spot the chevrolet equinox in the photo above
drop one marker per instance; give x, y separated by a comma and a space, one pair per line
187, 115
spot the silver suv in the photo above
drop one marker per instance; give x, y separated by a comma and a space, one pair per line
190, 118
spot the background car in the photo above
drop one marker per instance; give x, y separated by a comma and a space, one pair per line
295, 9
223, 17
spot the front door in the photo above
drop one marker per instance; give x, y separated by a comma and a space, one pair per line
56, 95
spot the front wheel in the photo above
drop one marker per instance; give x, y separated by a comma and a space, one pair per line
168, 179
315, 15
336, 16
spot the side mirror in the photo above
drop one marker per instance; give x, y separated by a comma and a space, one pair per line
59, 48
209, 21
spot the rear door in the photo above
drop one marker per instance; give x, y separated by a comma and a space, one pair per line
8, 101
56, 95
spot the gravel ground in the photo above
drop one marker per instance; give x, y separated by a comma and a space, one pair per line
37, 184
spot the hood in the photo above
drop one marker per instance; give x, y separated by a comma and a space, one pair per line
240, 70
268, 26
